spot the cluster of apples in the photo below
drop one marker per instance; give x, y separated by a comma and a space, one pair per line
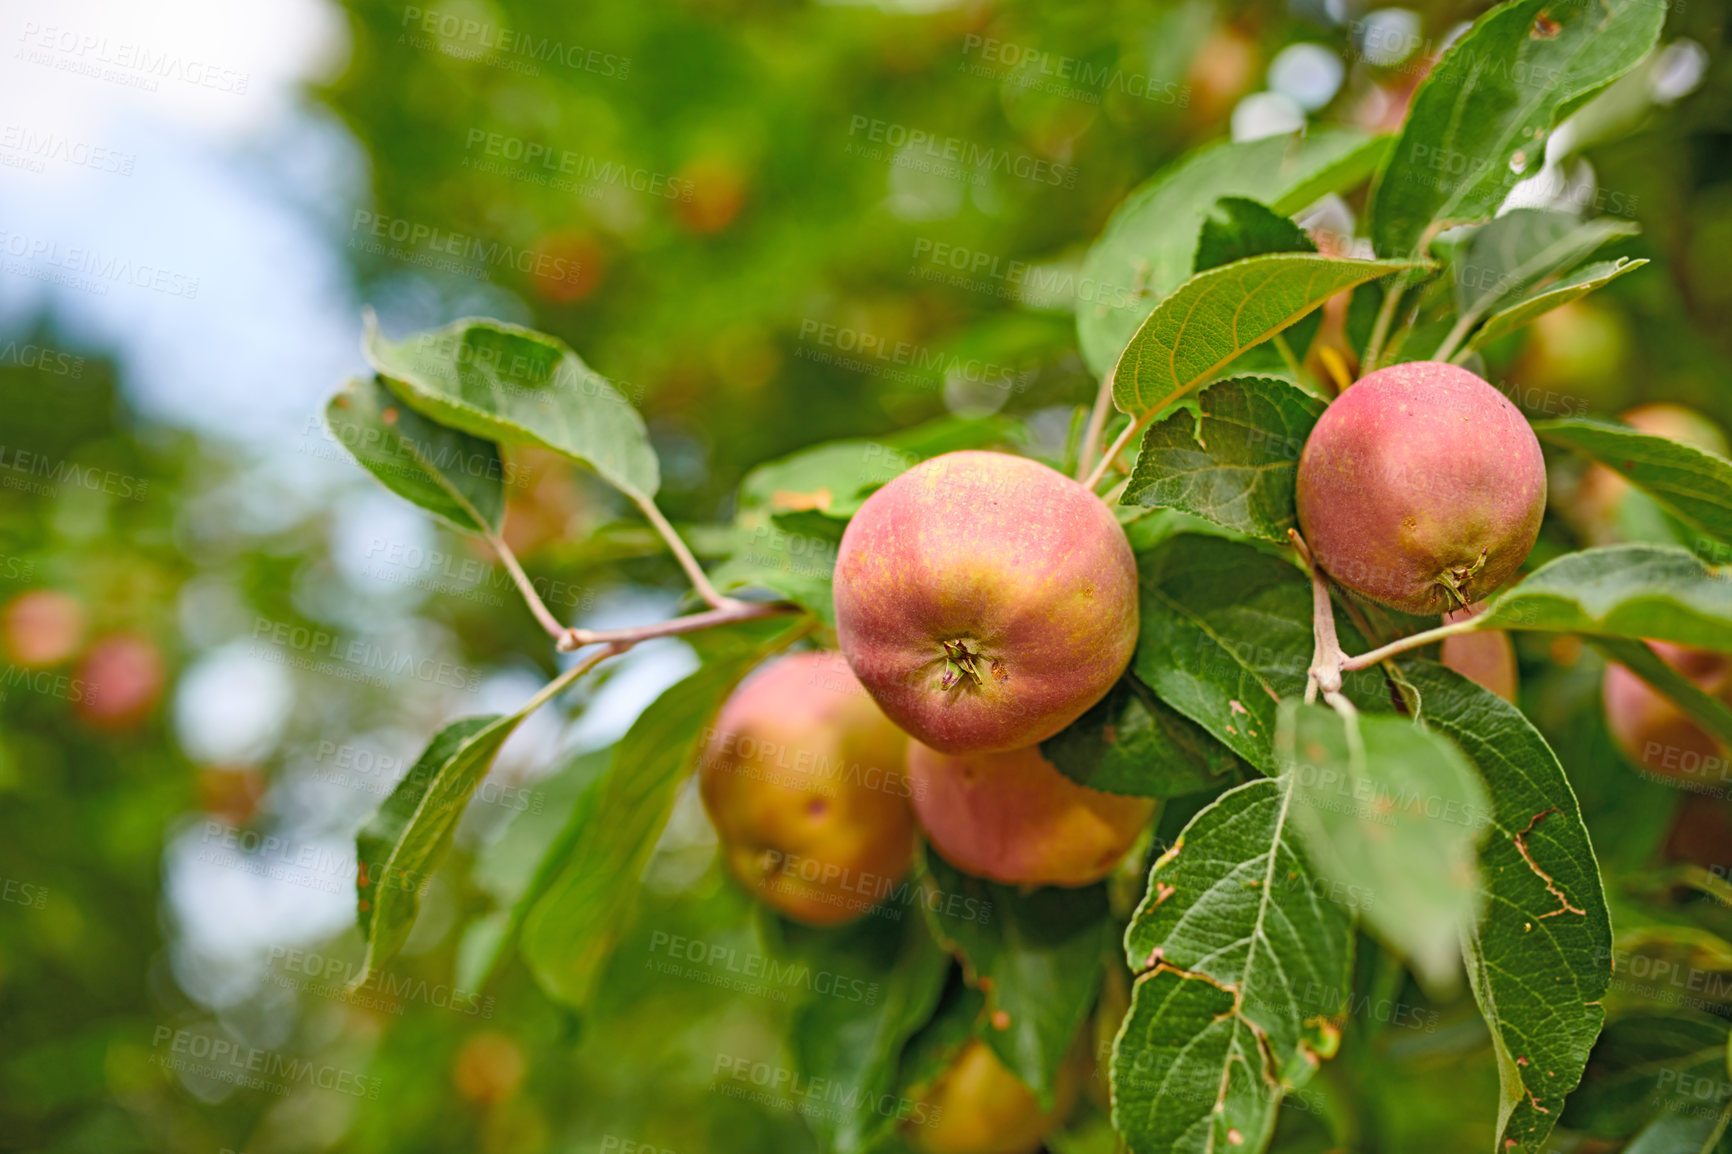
983, 603
118, 678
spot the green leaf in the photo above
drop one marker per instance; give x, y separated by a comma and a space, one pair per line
935, 1046
1225, 634
1132, 742
404, 841
1217, 315
518, 386
832, 479
1657, 592
1252, 971
1037, 958
1694, 486
881, 983
518, 867
1540, 960
1543, 300
1480, 120
1188, 1073
1391, 813
455, 477
1235, 461
1238, 227
1509, 255
571, 931
1148, 247
1651, 1066
794, 565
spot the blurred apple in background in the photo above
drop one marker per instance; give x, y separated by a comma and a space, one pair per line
124, 676
489, 1068
718, 193
41, 628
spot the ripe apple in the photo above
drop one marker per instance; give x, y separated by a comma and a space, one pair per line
1014, 818
1657, 735
42, 627
1488, 659
985, 601
1421, 487
978, 1107
803, 778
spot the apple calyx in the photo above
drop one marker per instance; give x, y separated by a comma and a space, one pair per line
960, 657
1454, 581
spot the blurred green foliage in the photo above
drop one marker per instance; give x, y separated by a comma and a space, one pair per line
713, 219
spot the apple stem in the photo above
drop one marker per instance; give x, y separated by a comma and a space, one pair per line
570, 639
1097, 427
1326, 656
524, 586
1380, 330
694, 571
1412, 641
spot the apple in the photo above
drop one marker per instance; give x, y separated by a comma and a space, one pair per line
1014, 818
123, 677
490, 1067
1487, 659
803, 779
977, 1106
985, 601
1602, 497
1421, 487
42, 627
1653, 732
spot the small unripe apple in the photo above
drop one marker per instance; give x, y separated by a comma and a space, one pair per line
979, 1107
803, 778
985, 601
1014, 818
489, 1067
1487, 659
1652, 731
1421, 487
41, 628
